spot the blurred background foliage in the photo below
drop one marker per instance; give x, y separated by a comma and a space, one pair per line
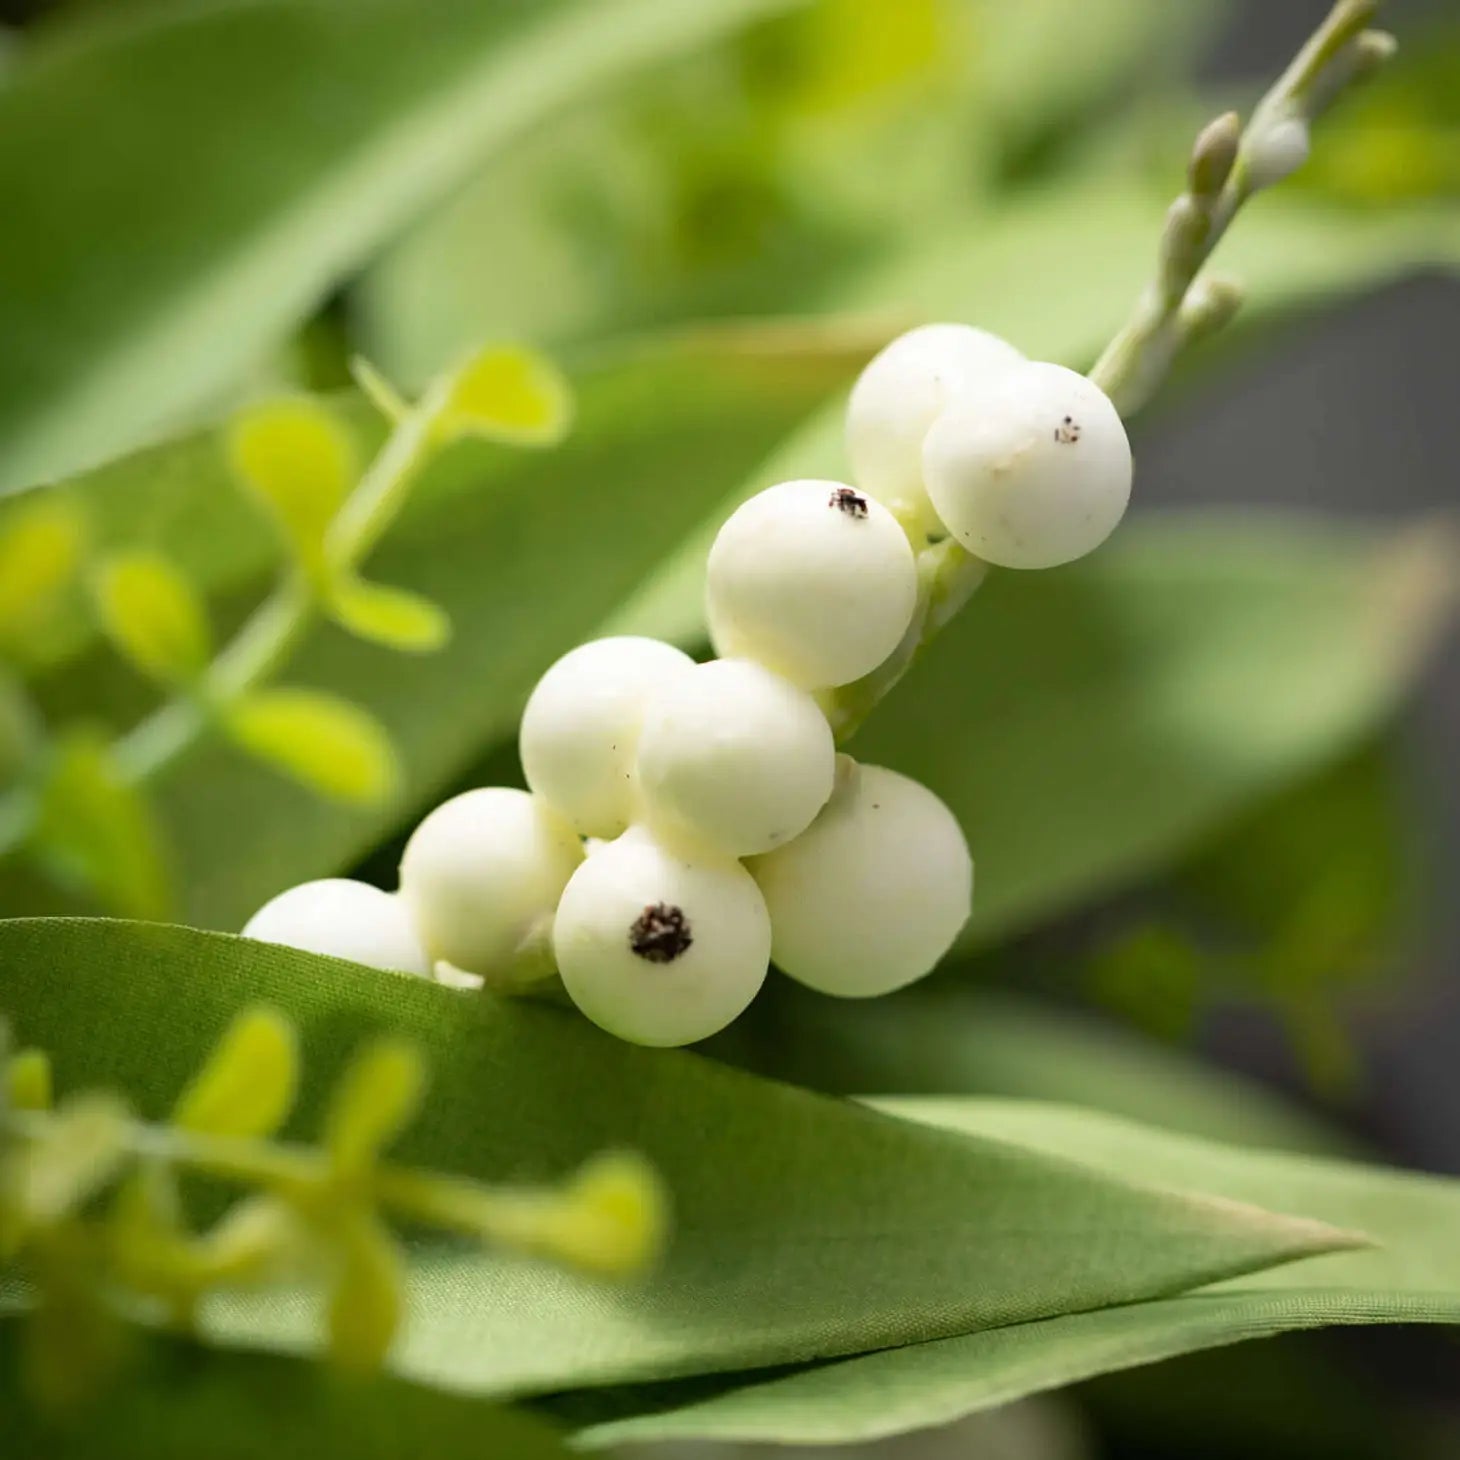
1195, 819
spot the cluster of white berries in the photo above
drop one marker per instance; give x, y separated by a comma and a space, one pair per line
688, 823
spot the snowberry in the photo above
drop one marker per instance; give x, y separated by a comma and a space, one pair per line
874, 893
1035, 473
734, 757
481, 876
657, 948
580, 730
342, 919
813, 580
902, 392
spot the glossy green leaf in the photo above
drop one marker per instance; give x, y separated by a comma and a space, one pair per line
151, 612
230, 200
247, 1086
526, 552
180, 1402
97, 832
1412, 1275
320, 740
957, 1035
945, 1234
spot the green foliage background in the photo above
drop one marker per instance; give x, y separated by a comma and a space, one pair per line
713, 213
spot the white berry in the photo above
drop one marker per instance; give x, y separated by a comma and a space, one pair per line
1034, 474
734, 757
873, 895
342, 919
482, 874
814, 580
580, 730
657, 948
902, 392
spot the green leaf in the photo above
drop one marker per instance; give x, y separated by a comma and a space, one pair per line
393, 617
1412, 1275
28, 1080
321, 740
41, 544
1166, 685
665, 428
376, 1098
506, 393
230, 201
153, 615
297, 460
954, 1035
368, 1295
177, 1401
944, 1233
247, 1086
84, 1147
94, 829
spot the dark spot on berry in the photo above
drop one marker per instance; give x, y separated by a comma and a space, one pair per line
1067, 432
844, 499
660, 933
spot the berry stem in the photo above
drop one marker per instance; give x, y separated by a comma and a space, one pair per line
1229, 164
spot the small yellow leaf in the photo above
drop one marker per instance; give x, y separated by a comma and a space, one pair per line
28, 1080
369, 1295
152, 613
326, 743
257, 1239
248, 1084
376, 1098
394, 617
41, 543
95, 829
299, 462
505, 393
84, 1145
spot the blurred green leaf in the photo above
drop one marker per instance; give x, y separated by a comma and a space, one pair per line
951, 1036
96, 831
393, 617
323, 741
84, 1147
182, 1402
152, 613
297, 459
233, 189
368, 1295
377, 1097
506, 393
41, 545
665, 429
1410, 1275
944, 1233
28, 1080
247, 1086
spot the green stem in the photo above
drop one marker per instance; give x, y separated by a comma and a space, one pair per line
271, 634
1175, 308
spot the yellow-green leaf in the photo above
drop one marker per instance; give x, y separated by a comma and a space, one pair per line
84, 1144
257, 1239
376, 1098
154, 616
325, 742
248, 1085
40, 550
96, 830
28, 1081
394, 617
506, 393
369, 1295
299, 463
